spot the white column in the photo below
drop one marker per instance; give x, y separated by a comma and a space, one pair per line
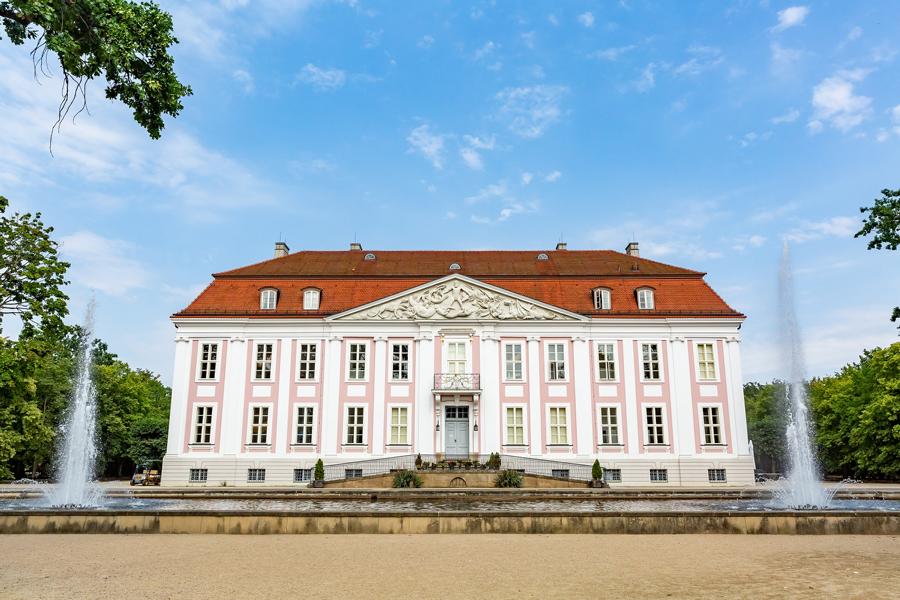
424, 401
285, 377
535, 376
582, 381
737, 411
682, 397
490, 395
380, 370
633, 418
331, 382
181, 381
234, 373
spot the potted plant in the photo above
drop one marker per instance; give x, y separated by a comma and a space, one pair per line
319, 474
418, 461
597, 475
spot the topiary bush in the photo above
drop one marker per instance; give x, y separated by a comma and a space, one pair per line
493, 461
596, 470
508, 479
319, 471
407, 479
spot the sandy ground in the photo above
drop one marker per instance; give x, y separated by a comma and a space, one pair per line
449, 566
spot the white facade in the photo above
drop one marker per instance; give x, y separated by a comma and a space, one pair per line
658, 401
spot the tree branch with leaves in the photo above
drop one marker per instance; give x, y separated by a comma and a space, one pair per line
883, 223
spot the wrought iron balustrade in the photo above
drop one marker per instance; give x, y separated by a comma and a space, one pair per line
457, 381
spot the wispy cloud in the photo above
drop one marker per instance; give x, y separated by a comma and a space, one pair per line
790, 17
645, 82
103, 264
703, 58
426, 41
788, 117
612, 54
834, 227
784, 59
471, 158
529, 111
244, 79
499, 193
553, 176
430, 145
835, 102
586, 19
322, 79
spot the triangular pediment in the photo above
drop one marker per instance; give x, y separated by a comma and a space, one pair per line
457, 297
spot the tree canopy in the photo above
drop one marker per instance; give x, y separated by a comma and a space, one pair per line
883, 224
125, 42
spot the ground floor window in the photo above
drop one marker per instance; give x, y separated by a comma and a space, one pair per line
198, 475
399, 425
712, 428
301, 475
560, 473
655, 429
609, 425
259, 425
305, 416
659, 475
356, 424
717, 476
256, 475
515, 426
352, 473
559, 426
612, 475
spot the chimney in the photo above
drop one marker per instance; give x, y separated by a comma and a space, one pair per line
355, 246
281, 249
632, 249
561, 246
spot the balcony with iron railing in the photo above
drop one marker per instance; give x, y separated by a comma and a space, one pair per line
457, 382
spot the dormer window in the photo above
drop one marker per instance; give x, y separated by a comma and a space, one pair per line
311, 299
543, 256
369, 256
268, 299
602, 299
645, 299
454, 267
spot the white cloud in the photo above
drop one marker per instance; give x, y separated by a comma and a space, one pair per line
103, 264
245, 80
530, 110
472, 158
703, 58
552, 20
645, 82
612, 54
854, 34
528, 38
586, 19
553, 176
835, 102
499, 193
841, 227
754, 241
426, 41
784, 59
322, 79
791, 17
527, 177
486, 50
752, 137
788, 117
485, 143
429, 145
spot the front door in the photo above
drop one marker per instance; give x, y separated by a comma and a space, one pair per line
456, 425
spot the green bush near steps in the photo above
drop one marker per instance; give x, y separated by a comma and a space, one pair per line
508, 479
407, 479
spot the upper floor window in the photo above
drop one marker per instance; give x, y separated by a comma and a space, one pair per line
602, 299
263, 366
306, 367
645, 299
268, 299
456, 357
513, 366
706, 362
400, 362
203, 419
356, 362
311, 299
556, 362
209, 361
606, 362
650, 361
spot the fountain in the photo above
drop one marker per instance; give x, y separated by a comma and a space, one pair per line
77, 454
803, 488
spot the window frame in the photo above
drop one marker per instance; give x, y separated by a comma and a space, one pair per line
198, 375
557, 407
720, 415
615, 361
272, 361
212, 424
664, 424
408, 362
506, 408
315, 362
365, 344
602, 293
715, 361
202, 474
257, 471
717, 471
303, 470
659, 471
565, 361
308, 293
296, 424
522, 361
647, 292
467, 350
390, 423
265, 293
659, 361
250, 407
618, 425
363, 425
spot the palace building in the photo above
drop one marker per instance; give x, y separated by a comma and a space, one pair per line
357, 357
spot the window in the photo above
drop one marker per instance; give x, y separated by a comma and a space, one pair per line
263, 368
650, 361
268, 299
515, 426
712, 429
198, 475
456, 357
256, 475
369, 256
609, 425
305, 421
399, 425
716, 475
454, 266
706, 362
659, 475
302, 475
602, 299
513, 355
259, 425
543, 256
357, 362
612, 475
306, 366
606, 362
209, 360
400, 362
559, 428
645, 299
310, 299
203, 425
352, 473
655, 428
556, 362
355, 424
559, 473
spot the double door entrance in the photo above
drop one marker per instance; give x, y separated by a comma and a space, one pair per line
456, 427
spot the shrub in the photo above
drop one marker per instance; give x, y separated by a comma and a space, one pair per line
596, 470
407, 479
493, 461
508, 479
319, 471
418, 461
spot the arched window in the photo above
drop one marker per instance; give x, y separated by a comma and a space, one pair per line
645, 299
369, 256
543, 256
602, 299
268, 299
311, 299
454, 267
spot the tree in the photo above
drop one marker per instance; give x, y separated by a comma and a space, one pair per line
884, 221
125, 42
31, 273
764, 403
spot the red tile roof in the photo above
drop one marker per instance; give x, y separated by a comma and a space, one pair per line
566, 280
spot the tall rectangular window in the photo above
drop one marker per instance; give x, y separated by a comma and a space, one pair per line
305, 421
609, 425
556, 362
306, 366
203, 425
259, 425
706, 362
263, 367
456, 357
400, 362
356, 416
559, 425
656, 431
515, 425
399, 425
606, 362
356, 362
712, 428
209, 360
650, 361
513, 362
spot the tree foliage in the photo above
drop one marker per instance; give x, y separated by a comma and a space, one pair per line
125, 42
883, 224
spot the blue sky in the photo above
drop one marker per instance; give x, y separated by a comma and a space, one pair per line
709, 131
